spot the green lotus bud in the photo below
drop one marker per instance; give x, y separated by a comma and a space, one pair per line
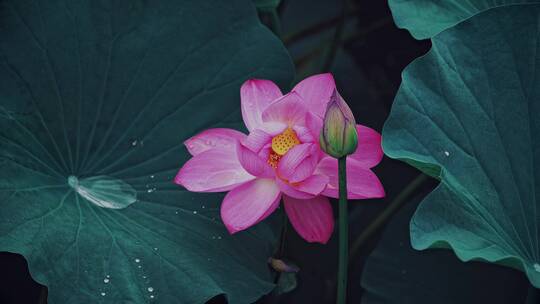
338, 135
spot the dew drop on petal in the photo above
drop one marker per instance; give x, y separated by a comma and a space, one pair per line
105, 281
103, 294
536, 267
194, 212
447, 153
151, 296
150, 289
137, 260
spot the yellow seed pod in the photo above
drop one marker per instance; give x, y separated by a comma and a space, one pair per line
285, 141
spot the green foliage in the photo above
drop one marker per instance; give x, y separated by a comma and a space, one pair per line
396, 273
106, 92
426, 18
470, 107
265, 5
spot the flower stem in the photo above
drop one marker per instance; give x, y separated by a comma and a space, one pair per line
275, 22
43, 295
283, 238
387, 213
280, 250
317, 28
338, 33
343, 232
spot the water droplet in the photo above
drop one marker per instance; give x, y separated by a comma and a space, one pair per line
152, 176
151, 296
536, 267
150, 289
104, 191
137, 260
105, 281
176, 212
195, 212
219, 237
151, 190
139, 266
144, 277
108, 276
447, 153
134, 143
103, 294
155, 248
203, 206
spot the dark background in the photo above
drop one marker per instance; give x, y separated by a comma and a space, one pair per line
358, 42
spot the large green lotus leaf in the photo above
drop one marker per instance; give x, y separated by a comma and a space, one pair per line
426, 18
396, 273
96, 98
470, 108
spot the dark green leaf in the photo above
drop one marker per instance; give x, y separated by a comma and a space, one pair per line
106, 92
396, 273
426, 18
286, 283
470, 107
266, 4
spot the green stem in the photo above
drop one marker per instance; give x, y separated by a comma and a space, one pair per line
316, 28
532, 295
348, 38
343, 232
336, 40
383, 217
280, 251
276, 22
43, 295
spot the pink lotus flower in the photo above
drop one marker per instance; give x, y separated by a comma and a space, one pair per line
280, 158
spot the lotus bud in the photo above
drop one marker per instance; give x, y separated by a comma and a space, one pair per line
338, 135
